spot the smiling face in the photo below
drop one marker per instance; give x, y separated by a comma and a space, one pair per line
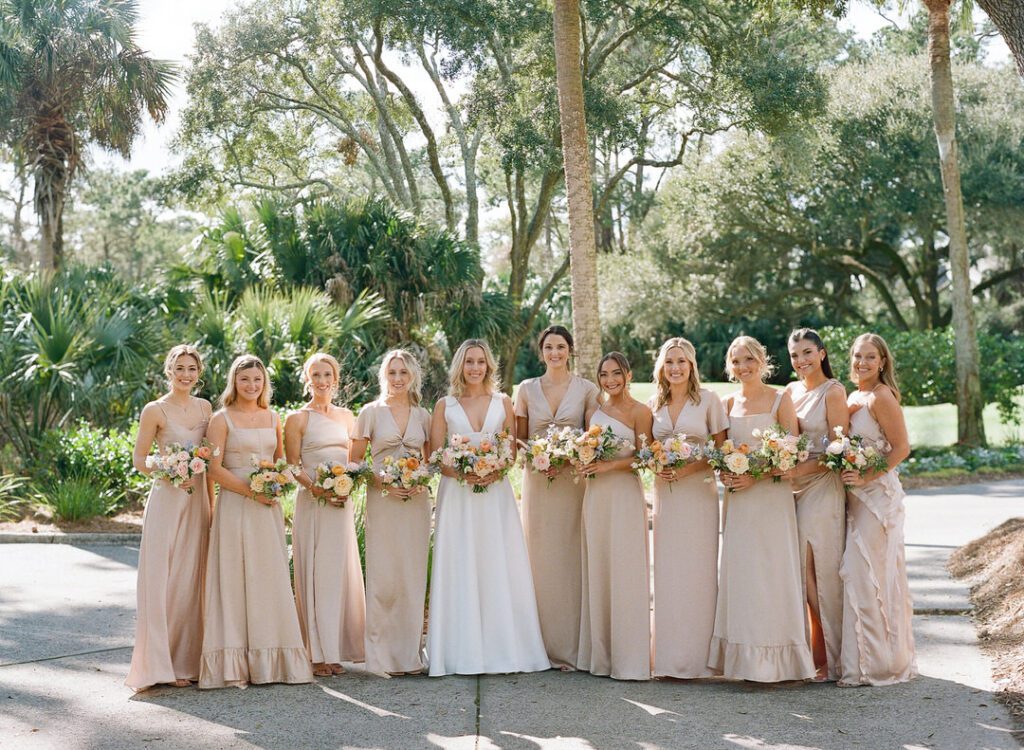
866, 361
323, 382
612, 378
474, 366
249, 384
398, 376
743, 365
806, 357
555, 352
184, 373
677, 366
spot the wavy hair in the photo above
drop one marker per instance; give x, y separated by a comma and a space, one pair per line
756, 350
664, 391
457, 381
411, 364
886, 370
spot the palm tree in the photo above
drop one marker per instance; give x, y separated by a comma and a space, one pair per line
72, 74
576, 155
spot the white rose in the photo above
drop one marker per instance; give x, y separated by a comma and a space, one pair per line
343, 485
737, 463
835, 448
587, 454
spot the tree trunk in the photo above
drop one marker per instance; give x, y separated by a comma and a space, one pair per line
50, 191
1008, 17
970, 427
576, 156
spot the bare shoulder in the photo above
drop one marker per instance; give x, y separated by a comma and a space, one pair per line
882, 397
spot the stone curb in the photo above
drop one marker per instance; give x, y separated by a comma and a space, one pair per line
20, 537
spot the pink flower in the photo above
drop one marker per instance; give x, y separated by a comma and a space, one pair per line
541, 462
182, 470
198, 466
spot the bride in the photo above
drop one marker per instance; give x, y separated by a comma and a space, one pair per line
483, 612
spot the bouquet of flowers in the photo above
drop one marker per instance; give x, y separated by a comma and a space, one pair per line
182, 462
338, 480
780, 450
549, 451
492, 456
272, 479
406, 472
595, 444
674, 453
853, 453
735, 459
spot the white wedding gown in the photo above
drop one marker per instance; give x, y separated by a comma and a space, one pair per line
483, 611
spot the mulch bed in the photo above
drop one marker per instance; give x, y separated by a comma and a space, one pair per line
127, 522
994, 565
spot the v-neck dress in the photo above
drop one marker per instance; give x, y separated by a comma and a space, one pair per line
397, 545
328, 577
821, 520
878, 637
552, 517
686, 527
172, 561
483, 610
760, 630
251, 630
615, 621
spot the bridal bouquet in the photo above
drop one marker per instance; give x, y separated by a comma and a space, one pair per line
781, 450
338, 480
549, 451
405, 472
595, 444
272, 479
735, 458
182, 462
493, 455
853, 453
663, 455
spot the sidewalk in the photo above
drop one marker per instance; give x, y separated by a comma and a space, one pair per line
66, 621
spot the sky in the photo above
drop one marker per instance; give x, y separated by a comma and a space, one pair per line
167, 32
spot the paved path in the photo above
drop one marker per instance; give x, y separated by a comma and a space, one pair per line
65, 635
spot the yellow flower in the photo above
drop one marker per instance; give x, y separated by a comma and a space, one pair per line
337, 470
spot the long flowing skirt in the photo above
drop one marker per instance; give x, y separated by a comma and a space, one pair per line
329, 592
685, 574
397, 543
251, 629
821, 524
483, 609
760, 631
615, 622
552, 518
878, 638
172, 561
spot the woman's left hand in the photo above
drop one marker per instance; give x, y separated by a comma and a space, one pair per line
853, 478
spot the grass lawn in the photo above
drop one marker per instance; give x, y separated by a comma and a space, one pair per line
927, 425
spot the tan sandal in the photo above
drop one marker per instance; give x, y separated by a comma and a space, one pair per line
336, 669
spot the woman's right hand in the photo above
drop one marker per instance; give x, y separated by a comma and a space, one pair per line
317, 491
265, 500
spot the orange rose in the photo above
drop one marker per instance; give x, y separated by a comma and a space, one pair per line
485, 446
412, 463
743, 448
656, 445
266, 464
594, 430
204, 452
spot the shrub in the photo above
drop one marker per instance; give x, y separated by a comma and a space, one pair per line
10, 496
75, 498
932, 460
926, 365
102, 457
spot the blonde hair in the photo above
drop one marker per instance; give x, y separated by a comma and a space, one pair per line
182, 350
247, 362
457, 381
412, 365
886, 370
312, 359
756, 350
664, 389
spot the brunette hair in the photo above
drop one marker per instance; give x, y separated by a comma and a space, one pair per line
412, 364
457, 381
619, 358
661, 382
312, 359
756, 349
247, 362
811, 335
886, 370
557, 330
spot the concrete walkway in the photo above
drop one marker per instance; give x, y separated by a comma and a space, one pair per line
66, 618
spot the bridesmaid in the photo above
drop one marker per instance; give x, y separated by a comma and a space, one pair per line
615, 622
175, 533
759, 621
397, 524
878, 642
328, 577
820, 402
552, 505
247, 567
685, 518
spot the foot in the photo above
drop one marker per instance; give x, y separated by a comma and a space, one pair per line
336, 669
182, 683
821, 675
321, 670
